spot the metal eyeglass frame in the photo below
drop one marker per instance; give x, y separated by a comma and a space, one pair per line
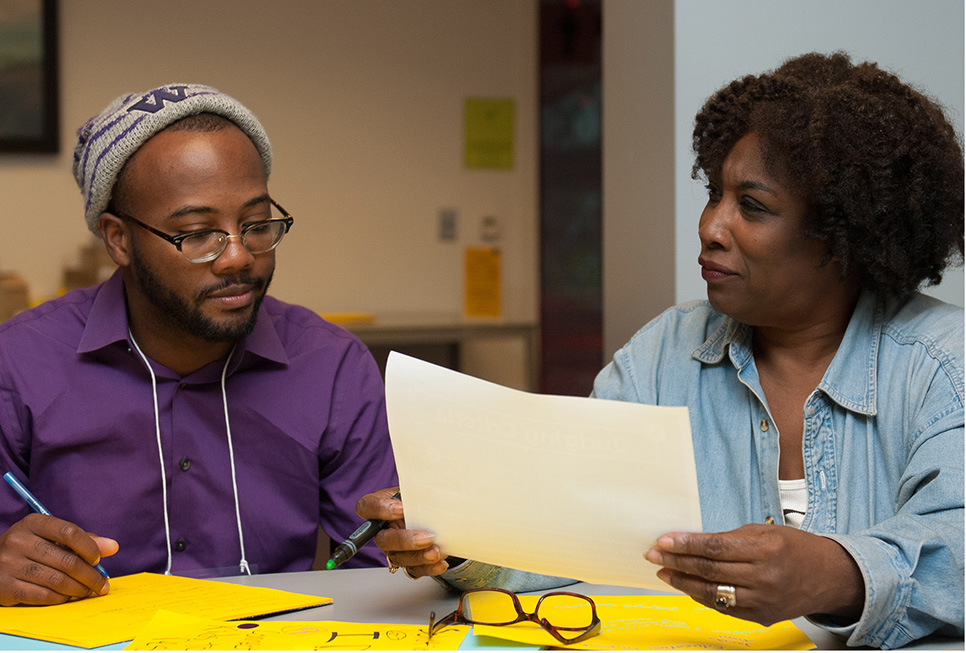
287, 220
456, 617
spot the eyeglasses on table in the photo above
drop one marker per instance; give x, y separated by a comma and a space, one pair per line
569, 617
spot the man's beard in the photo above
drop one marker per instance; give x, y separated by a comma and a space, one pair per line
188, 316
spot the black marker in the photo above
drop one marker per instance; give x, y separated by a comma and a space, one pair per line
363, 534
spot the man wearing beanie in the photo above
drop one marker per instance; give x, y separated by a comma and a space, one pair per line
175, 418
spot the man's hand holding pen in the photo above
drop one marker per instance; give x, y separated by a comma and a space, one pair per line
45, 560
415, 550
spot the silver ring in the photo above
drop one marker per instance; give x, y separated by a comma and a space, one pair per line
724, 597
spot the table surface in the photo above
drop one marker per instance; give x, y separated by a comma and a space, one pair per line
376, 596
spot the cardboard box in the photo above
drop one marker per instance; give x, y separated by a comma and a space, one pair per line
14, 295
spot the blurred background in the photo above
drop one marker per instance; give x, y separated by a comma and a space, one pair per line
594, 218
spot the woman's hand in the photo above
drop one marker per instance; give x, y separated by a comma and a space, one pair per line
414, 550
778, 572
45, 561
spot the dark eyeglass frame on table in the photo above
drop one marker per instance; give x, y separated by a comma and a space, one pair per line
222, 243
457, 617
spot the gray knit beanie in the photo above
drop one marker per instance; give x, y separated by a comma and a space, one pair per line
109, 139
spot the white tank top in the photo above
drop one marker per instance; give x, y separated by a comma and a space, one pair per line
794, 499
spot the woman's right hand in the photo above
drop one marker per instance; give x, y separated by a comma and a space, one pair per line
413, 550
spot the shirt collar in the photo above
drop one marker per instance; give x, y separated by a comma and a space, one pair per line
108, 324
107, 321
851, 376
715, 347
264, 340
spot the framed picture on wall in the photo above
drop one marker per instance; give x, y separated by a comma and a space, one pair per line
28, 76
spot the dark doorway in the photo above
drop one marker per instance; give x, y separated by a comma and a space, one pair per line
571, 316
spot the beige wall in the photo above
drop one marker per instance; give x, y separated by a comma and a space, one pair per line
363, 102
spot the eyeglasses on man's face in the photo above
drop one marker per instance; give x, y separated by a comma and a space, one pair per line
208, 244
569, 617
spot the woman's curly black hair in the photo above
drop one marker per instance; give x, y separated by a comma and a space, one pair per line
878, 164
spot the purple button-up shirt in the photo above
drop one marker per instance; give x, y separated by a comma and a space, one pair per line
307, 417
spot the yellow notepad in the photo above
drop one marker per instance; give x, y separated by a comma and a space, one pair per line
169, 631
132, 602
660, 622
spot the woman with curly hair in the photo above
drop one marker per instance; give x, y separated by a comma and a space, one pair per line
825, 392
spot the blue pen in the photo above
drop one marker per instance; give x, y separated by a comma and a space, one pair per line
37, 506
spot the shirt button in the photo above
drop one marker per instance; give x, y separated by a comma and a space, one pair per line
184, 464
183, 386
180, 545
764, 425
768, 520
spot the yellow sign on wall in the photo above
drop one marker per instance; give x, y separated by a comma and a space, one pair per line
483, 266
488, 125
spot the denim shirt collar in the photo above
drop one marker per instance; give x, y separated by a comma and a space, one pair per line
850, 380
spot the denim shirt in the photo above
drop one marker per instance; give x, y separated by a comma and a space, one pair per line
882, 445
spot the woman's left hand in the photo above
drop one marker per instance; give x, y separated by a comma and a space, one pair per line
778, 572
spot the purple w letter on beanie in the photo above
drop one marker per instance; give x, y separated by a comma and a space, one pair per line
160, 95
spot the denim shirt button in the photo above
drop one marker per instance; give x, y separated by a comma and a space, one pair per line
764, 426
769, 520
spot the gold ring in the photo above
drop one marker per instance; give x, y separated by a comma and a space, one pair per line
409, 573
393, 568
724, 597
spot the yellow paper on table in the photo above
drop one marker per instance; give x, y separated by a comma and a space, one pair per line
349, 318
171, 631
654, 622
121, 613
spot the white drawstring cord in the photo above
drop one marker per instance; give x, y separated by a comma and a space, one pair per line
157, 430
243, 563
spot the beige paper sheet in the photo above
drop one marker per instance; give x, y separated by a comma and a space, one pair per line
566, 486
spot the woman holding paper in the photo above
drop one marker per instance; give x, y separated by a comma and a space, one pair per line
825, 393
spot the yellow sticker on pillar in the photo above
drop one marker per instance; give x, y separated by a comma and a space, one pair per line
483, 282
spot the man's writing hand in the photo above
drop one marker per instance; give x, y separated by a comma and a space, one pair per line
45, 560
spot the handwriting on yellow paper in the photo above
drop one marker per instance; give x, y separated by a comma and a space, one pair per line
171, 631
661, 622
133, 600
